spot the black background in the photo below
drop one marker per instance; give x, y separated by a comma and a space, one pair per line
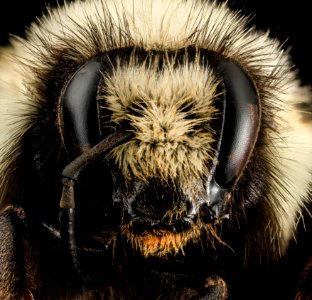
290, 21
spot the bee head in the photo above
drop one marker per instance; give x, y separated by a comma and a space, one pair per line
193, 119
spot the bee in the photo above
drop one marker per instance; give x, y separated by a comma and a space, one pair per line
153, 149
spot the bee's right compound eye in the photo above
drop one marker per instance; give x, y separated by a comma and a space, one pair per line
79, 109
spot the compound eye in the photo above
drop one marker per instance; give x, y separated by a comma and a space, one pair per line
239, 132
80, 110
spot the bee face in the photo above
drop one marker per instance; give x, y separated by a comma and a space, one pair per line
166, 122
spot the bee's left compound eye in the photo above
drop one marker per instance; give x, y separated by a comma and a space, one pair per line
239, 133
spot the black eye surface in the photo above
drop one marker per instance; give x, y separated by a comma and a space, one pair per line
241, 123
80, 111
240, 128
